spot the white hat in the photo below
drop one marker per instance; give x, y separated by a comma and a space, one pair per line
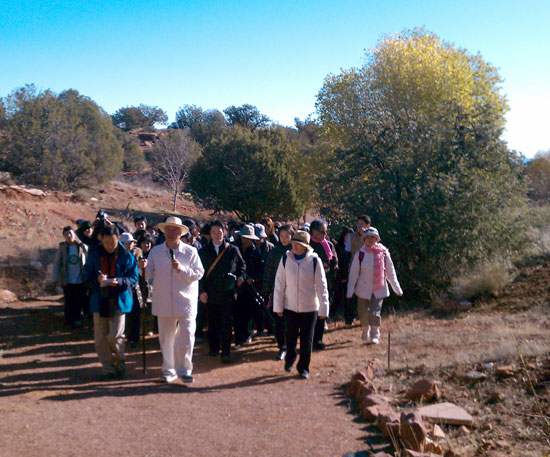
371, 231
126, 238
173, 221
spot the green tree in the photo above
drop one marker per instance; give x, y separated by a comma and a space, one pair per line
202, 124
172, 157
418, 135
537, 174
247, 116
133, 158
252, 173
142, 117
59, 141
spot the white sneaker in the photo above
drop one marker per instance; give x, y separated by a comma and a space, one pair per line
366, 334
169, 378
375, 341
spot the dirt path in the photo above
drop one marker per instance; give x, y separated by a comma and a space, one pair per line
51, 402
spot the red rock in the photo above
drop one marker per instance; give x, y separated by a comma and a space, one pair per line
412, 431
388, 423
463, 431
373, 400
364, 388
424, 390
370, 413
446, 413
7, 296
505, 371
411, 453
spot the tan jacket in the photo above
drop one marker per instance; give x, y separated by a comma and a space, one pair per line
61, 257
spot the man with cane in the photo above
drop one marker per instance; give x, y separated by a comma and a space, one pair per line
175, 269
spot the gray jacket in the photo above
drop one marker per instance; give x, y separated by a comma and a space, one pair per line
61, 257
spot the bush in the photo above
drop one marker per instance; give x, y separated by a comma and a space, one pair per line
83, 195
486, 280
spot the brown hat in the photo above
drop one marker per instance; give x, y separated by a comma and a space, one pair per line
301, 237
247, 232
174, 221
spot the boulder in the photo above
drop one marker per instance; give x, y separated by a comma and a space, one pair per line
7, 296
446, 413
370, 413
412, 431
424, 390
373, 399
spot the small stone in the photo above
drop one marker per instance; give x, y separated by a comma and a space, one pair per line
386, 387
463, 431
496, 396
474, 376
424, 390
502, 444
488, 366
438, 432
7, 296
37, 265
487, 427
505, 371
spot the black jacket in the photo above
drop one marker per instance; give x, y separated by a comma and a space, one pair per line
231, 262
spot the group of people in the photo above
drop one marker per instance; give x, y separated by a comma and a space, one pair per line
238, 282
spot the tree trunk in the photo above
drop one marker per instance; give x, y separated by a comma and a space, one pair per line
175, 198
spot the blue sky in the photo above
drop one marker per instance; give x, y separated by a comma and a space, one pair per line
272, 54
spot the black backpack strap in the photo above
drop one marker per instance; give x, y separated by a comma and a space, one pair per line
284, 260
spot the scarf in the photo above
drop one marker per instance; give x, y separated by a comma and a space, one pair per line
379, 266
108, 301
326, 247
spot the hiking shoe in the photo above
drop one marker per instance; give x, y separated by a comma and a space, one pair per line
109, 376
226, 359
120, 371
213, 353
375, 341
365, 335
187, 378
318, 346
304, 374
281, 355
288, 367
168, 378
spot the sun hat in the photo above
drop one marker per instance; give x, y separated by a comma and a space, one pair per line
247, 232
302, 237
126, 238
371, 231
173, 221
259, 231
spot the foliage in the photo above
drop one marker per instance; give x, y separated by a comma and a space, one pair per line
60, 141
247, 116
417, 130
142, 117
172, 157
487, 279
537, 174
133, 158
253, 173
203, 125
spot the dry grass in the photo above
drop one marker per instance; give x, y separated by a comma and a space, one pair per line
485, 280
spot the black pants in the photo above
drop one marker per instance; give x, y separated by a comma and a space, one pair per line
219, 326
133, 321
302, 325
75, 297
242, 318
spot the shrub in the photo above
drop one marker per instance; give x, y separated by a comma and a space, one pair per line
485, 280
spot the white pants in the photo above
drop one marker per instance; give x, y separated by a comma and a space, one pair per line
177, 338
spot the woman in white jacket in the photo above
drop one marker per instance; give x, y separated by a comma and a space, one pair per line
371, 270
300, 296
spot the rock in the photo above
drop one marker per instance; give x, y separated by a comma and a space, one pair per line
36, 192
446, 413
388, 423
431, 447
381, 454
505, 371
496, 396
463, 431
37, 265
424, 390
7, 296
487, 427
488, 366
373, 399
474, 376
386, 387
370, 413
463, 305
438, 432
94, 199
412, 431
411, 453
502, 444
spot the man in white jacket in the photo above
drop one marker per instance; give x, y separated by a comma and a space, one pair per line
300, 296
175, 269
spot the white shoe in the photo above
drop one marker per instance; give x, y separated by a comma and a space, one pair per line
169, 378
365, 336
375, 341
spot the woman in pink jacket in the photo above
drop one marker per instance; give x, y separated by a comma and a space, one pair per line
371, 270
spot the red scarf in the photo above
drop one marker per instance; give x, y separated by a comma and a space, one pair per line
379, 266
326, 247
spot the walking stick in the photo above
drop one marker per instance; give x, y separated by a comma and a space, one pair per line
142, 304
